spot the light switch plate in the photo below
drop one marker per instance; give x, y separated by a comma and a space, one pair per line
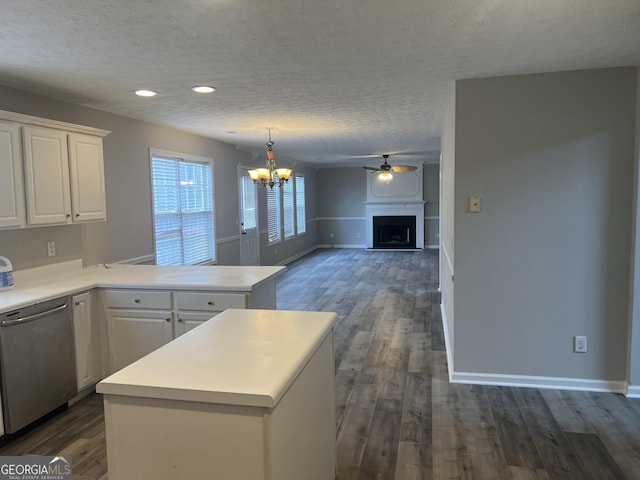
474, 204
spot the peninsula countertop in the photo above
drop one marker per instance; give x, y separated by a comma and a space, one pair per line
239, 357
46, 283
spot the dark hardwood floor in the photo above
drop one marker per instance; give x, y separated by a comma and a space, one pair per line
398, 417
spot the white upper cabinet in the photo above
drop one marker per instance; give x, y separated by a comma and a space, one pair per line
54, 176
12, 213
86, 167
46, 167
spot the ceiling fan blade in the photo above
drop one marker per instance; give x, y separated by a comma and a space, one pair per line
403, 168
371, 168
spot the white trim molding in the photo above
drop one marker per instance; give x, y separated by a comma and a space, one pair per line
232, 238
410, 209
340, 245
297, 256
632, 391
341, 218
139, 260
447, 340
55, 124
561, 383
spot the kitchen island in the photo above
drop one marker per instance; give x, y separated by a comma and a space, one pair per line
122, 312
247, 395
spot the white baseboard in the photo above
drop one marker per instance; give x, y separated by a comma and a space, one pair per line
632, 391
296, 256
447, 341
340, 245
558, 383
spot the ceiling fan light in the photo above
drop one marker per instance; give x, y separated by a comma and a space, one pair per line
385, 177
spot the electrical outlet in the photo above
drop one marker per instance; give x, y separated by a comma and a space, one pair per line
51, 249
580, 344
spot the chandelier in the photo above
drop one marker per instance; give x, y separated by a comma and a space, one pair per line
270, 175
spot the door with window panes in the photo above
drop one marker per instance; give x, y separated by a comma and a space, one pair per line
249, 246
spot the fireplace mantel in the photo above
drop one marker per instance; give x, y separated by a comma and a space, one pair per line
375, 209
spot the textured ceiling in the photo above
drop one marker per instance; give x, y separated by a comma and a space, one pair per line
336, 79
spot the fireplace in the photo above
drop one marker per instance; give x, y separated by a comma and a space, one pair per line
399, 205
394, 231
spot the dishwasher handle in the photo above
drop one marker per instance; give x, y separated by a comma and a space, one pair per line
30, 318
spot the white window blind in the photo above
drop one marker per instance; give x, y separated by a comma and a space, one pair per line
301, 217
288, 210
183, 211
274, 214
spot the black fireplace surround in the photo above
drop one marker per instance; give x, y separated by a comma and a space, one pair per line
394, 231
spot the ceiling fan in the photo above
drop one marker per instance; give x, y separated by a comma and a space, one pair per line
386, 167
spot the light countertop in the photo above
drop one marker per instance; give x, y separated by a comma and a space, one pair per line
239, 357
48, 283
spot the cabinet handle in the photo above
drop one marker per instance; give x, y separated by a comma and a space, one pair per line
210, 303
77, 303
68, 215
179, 319
77, 215
137, 300
168, 319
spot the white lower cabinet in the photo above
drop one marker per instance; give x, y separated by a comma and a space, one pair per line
135, 333
187, 321
87, 339
193, 308
141, 321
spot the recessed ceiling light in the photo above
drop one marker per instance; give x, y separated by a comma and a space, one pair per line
146, 93
203, 89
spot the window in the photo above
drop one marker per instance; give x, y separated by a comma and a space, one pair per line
289, 210
286, 210
274, 214
183, 215
301, 217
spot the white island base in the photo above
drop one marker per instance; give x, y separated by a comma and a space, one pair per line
247, 395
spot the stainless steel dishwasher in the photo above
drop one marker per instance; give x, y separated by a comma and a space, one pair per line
37, 361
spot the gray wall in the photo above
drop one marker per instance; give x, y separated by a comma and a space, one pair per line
342, 193
128, 231
341, 213
634, 320
551, 156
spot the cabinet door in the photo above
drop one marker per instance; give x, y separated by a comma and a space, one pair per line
187, 321
11, 181
86, 168
46, 167
135, 333
87, 340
